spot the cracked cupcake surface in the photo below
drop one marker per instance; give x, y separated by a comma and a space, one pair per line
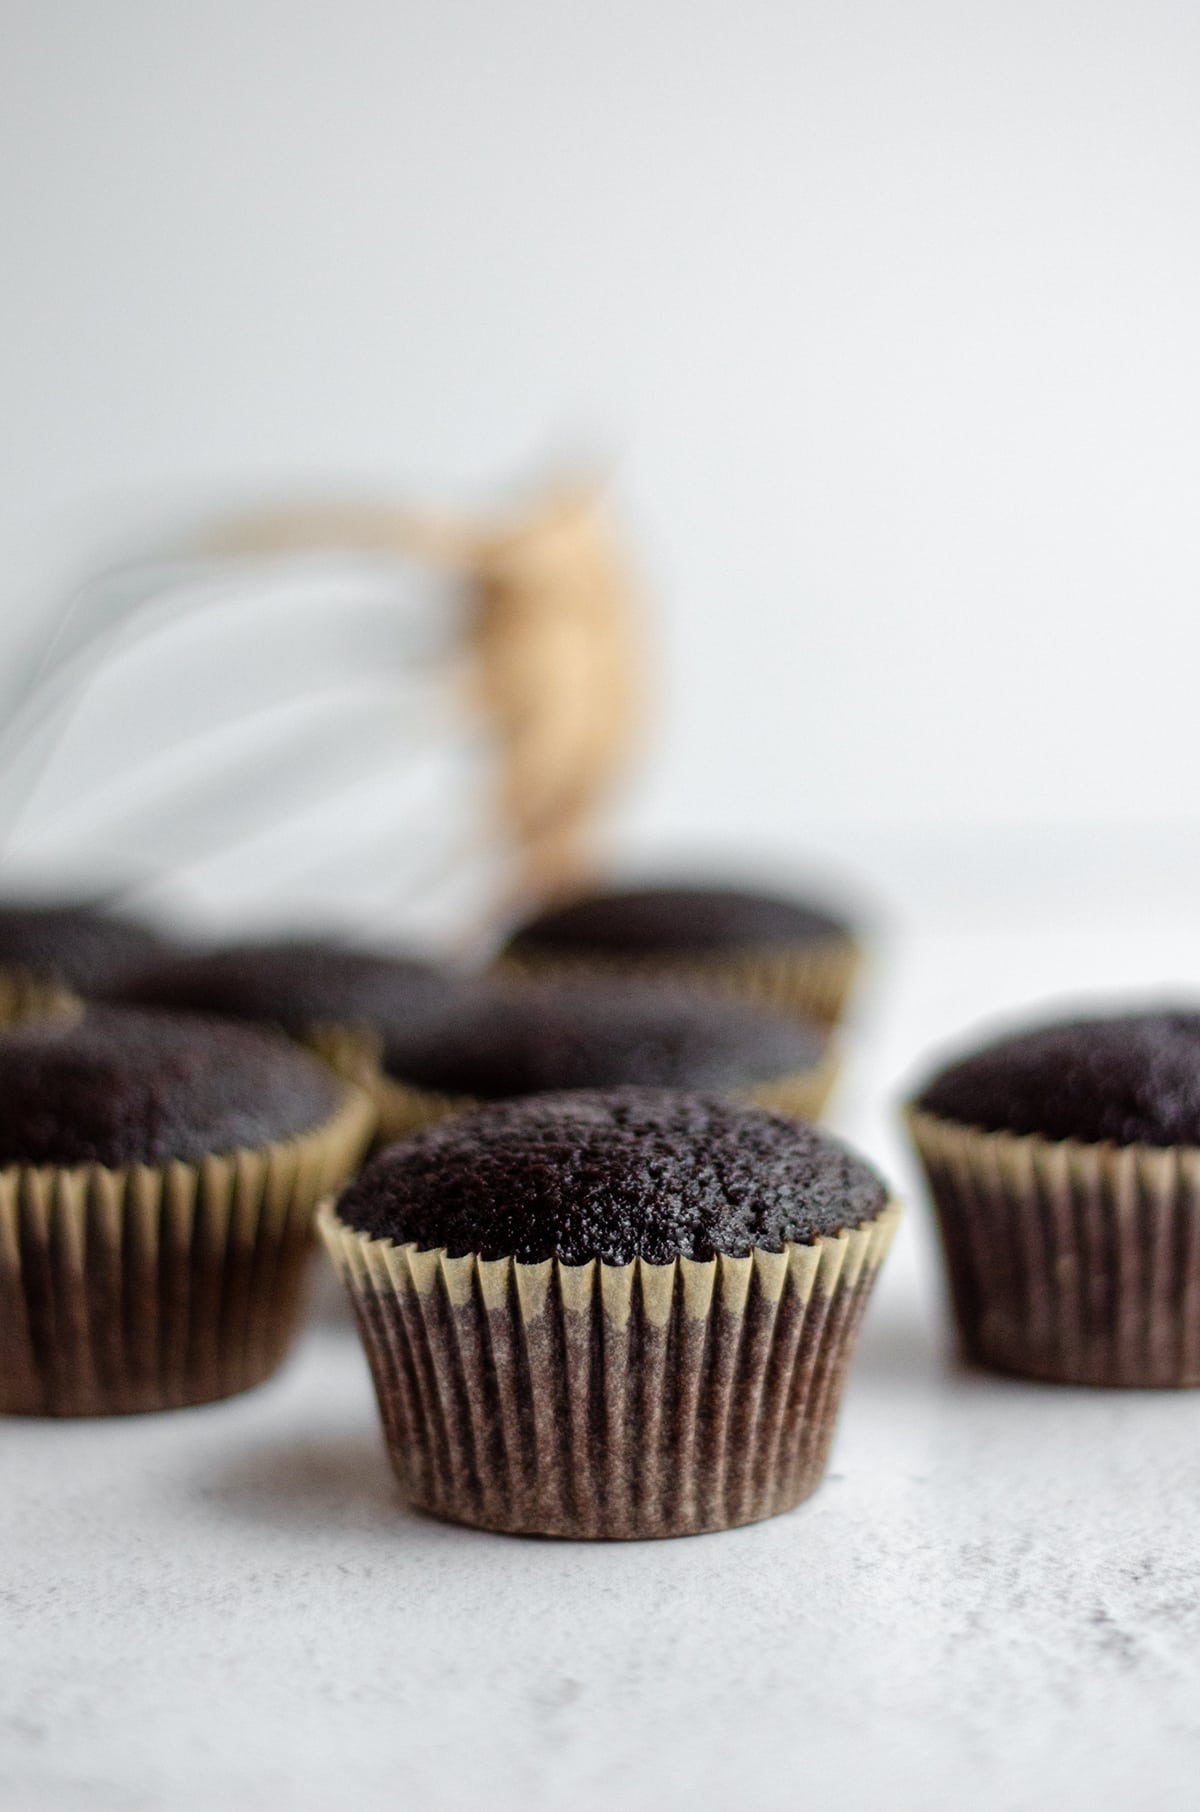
613, 1175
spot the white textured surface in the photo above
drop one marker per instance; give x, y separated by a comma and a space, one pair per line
994, 1599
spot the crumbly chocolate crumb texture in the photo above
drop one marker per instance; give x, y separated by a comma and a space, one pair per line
498, 1041
1130, 1078
78, 945
613, 1175
120, 1087
665, 920
298, 985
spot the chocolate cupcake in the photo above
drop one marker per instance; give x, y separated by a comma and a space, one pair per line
158, 1174
298, 985
789, 953
83, 947
1064, 1164
612, 1313
498, 1040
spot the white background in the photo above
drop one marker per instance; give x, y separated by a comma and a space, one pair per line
885, 316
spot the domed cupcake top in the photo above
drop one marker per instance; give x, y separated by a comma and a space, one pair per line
1130, 1078
296, 984
118, 1086
499, 1040
664, 920
613, 1175
79, 945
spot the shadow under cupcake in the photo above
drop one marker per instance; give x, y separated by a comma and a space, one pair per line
1064, 1165
610, 1314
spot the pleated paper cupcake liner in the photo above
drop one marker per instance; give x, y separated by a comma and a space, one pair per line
25, 998
355, 1053
124, 1290
609, 1401
802, 1096
812, 980
402, 1109
1070, 1262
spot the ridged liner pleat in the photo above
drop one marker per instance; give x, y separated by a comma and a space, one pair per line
812, 979
403, 1109
1067, 1261
25, 998
603, 1400
149, 1288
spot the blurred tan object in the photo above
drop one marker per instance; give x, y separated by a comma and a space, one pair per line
556, 656
330, 711
560, 677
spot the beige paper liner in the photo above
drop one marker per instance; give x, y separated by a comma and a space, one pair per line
812, 979
402, 1109
1071, 1262
26, 998
609, 1401
354, 1053
150, 1288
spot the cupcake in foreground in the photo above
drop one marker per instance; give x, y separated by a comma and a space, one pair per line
82, 946
617, 1313
1064, 1164
522, 1038
790, 953
158, 1174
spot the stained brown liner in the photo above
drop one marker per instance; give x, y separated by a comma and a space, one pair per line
812, 979
1071, 1262
402, 1109
609, 1401
146, 1288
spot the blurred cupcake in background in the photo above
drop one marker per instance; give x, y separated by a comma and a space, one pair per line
791, 954
504, 1038
84, 947
304, 987
1064, 1165
610, 1314
158, 1176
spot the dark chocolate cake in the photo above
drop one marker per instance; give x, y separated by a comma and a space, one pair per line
1130, 1078
499, 1040
661, 921
80, 945
119, 1087
298, 985
613, 1175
